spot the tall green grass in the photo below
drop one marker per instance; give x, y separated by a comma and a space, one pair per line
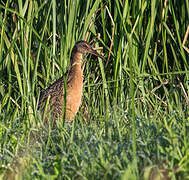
133, 121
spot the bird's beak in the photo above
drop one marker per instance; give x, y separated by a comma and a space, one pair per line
92, 51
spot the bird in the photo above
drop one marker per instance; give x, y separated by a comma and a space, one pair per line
55, 94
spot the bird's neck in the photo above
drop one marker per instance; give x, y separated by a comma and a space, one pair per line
76, 70
76, 59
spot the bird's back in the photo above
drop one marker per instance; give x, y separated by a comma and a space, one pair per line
55, 93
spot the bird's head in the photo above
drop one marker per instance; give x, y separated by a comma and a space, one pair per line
84, 47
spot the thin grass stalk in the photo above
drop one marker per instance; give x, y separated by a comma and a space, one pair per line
28, 40
64, 32
72, 132
72, 12
10, 82
132, 95
165, 59
65, 101
3, 30
122, 83
54, 33
187, 7
103, 15
21, 25
106, 96
29, 68
117, 70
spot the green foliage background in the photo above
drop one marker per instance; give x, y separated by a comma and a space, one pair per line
134, 120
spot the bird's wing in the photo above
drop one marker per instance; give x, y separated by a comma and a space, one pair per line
54, 90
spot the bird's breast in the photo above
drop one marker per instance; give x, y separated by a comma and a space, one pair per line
74, 92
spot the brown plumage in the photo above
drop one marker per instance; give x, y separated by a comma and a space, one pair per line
55, 92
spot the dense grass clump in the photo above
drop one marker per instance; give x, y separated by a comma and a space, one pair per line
133, 122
